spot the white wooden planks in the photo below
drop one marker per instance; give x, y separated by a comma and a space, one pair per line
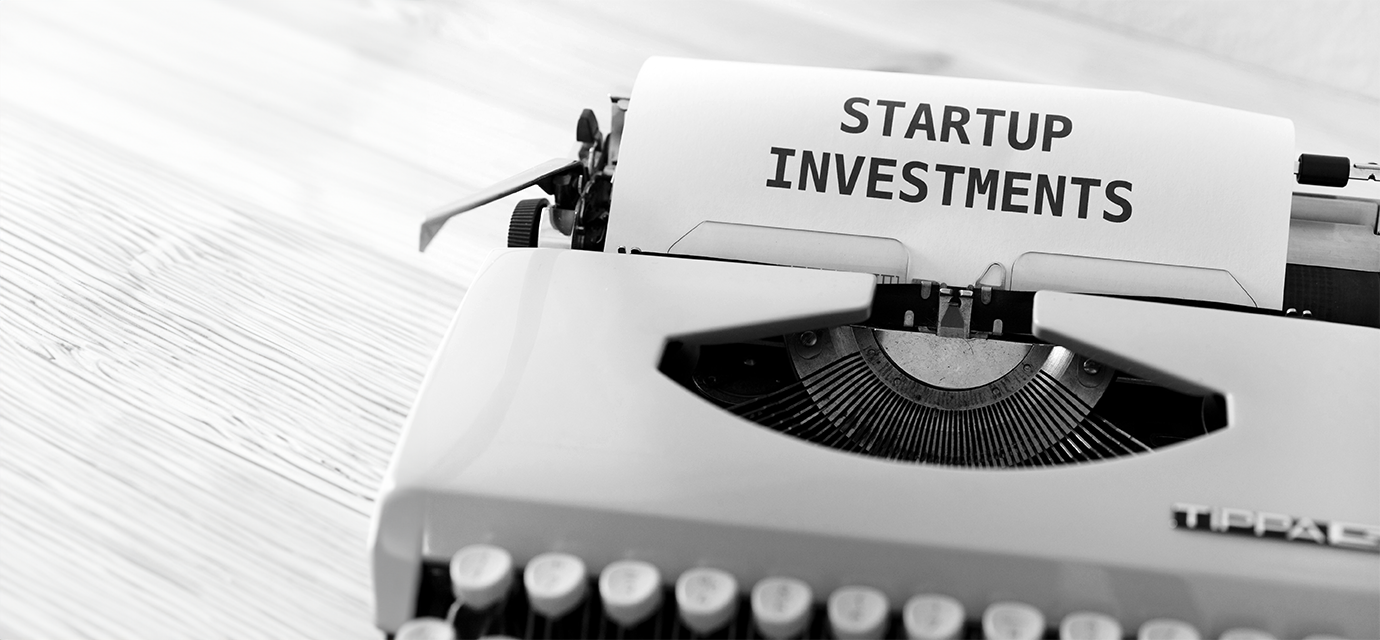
187, 386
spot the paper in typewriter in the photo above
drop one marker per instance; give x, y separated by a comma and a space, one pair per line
1061, 186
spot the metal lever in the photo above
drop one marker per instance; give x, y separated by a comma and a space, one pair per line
544, 175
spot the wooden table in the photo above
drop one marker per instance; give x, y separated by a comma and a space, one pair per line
213, 316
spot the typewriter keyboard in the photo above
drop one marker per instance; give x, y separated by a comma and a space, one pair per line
480, 593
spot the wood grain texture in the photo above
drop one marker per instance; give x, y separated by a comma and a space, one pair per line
212, 315
1330, 43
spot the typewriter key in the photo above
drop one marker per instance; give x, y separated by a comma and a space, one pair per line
631, 591
1087, 625
1012, 621
932, 617
480, 574
707, 598
425, 629
857, 613
555, 583
1166, 629
781, 607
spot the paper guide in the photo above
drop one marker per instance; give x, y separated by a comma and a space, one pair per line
1065, 188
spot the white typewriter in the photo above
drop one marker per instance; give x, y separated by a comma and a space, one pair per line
901, 356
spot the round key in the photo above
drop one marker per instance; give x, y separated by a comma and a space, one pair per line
707, 598
857, 613
932, 617
1167, 629
555, 583
631, 590
480, 575
781, 607
425, 629
1088, 625
1012, 621
1243, 633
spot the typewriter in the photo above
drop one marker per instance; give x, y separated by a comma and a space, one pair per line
748, 401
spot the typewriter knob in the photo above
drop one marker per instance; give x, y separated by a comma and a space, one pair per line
522, 228
587, 127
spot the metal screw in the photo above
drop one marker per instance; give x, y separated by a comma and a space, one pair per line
1091, 368
809, 338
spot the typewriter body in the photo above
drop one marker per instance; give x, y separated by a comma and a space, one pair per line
721, 399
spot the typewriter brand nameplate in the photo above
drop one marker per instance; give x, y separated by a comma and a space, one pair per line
963, 172
1277, 526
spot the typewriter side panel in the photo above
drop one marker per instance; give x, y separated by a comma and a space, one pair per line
473, 342
483, 376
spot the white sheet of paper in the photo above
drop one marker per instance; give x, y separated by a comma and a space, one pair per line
1145, 179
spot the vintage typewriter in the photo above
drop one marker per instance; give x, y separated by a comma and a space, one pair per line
701, 421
